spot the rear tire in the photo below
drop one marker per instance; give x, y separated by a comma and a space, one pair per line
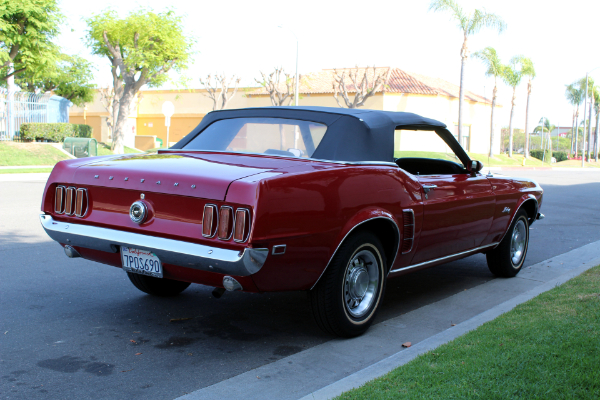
507, 259
347, 297
157, 286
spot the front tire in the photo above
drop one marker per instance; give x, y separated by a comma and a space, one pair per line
157, 286
346, 299
507, 259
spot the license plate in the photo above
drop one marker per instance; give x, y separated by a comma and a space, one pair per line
141, 262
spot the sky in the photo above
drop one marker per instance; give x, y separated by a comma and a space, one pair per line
244, 38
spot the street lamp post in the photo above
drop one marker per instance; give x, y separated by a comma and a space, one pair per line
296, 76
168, 109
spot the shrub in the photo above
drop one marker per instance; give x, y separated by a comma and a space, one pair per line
539, 154
560, 155
55, 132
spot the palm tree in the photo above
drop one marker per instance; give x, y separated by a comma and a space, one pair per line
529, 72
512, 75
574, 95
597, 110
494, 68
469, 23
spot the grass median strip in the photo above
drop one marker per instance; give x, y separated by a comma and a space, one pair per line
545, 348
25, 170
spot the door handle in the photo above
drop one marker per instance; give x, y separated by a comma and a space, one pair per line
427, 188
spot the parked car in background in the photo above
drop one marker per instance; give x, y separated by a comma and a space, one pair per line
292, 198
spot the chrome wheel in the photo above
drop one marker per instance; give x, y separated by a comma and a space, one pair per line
518, 242
361, 282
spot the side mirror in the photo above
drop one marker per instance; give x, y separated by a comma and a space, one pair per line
474, 167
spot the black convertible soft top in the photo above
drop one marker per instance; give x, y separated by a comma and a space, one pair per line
353, 135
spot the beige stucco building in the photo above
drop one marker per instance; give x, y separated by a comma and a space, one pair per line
410, 92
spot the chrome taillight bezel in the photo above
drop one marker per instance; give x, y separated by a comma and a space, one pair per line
215, 210
221, 221
247, 222
80, 194
59, 207
71, 194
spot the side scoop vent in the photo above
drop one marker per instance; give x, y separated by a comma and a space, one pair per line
408, 230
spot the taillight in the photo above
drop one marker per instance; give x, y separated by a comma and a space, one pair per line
70, 201
225, 223
209, 220
242, 225
81, 202
59, 200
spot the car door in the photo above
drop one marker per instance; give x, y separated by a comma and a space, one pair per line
458, 213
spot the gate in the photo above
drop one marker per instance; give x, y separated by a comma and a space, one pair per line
17, 108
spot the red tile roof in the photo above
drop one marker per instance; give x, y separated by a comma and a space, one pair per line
400, 82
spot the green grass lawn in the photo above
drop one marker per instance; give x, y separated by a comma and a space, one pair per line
104, 150
546, 348
25, 170
14, 154
499, 160
576, 164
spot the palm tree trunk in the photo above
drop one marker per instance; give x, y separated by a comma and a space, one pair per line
492, 121
576, 130
572, 132
461, 94
596, 147
527, 120
589, 152
510, 125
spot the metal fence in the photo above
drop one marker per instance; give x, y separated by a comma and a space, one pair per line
17, 108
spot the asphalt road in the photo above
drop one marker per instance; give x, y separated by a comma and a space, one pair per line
74, 329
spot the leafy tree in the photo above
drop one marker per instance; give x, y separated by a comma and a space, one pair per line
142, 48
512, 75
69, 77
469, 23
27, 28
528, 71
494, 68
575, 96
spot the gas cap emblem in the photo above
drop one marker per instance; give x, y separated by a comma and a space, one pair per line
138, 212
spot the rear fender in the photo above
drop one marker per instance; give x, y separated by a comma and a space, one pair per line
362, 219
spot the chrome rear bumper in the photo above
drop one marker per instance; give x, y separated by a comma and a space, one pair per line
169, 251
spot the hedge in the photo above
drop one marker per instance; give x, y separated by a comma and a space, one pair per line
55, 132
539, 154
560, 156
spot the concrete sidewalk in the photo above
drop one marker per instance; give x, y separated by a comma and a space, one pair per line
327, 370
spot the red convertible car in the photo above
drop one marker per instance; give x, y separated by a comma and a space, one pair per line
292, 198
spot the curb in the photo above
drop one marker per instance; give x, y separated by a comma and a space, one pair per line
381, 368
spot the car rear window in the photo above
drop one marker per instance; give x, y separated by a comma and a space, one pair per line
276, 136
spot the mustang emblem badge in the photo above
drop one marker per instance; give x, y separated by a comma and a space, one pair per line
138, 212
506, 210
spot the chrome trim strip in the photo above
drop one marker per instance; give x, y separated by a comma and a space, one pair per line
349, 232
247, 212
190, 255
385, 163
445, 258
413, 229
232, 223
216, 210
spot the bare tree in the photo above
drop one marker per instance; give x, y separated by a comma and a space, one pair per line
110, 102
279, 92
217, 88
362, 85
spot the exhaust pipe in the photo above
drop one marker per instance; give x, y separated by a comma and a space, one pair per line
71, 252
229, 284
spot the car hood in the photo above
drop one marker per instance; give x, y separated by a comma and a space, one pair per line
188, 174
